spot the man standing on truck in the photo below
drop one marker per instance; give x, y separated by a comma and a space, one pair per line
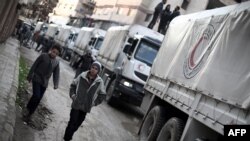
165, 18
175, 13
86, 91
157, 12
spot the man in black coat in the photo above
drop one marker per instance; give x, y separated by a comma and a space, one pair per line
175, 13
84, 63
157, 12
165, 18
40, 72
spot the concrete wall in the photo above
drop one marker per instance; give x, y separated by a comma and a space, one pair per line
9, 70
9, 57
8, 16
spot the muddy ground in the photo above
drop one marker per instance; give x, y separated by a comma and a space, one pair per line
119, 122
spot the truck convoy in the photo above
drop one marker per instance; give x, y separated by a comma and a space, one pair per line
200, 79
87, 38
127, 54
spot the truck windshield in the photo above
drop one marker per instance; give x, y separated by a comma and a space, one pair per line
98, 43
146, 52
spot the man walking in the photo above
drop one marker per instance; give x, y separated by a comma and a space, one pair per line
86, 91
84, 63
39, 74
157, 12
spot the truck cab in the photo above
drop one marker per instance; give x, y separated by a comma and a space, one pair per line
95, 43
50, 34
140, 53
66, 39
88, 38
127, 55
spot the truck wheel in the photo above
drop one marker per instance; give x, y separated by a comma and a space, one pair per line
153, 124
172, 130
110, 91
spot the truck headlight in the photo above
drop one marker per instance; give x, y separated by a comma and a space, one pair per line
126, 83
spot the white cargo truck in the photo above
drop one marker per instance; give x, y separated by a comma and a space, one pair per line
39, 26
48, 39
83, 42
52, 31
66, 38
96, 42
200, 80
127, 54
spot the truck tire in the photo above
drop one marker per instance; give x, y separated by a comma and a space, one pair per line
172, 130
110, 91
153, 124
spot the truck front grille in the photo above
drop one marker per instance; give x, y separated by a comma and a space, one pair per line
141, 76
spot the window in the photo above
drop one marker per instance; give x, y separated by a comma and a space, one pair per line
148, 17
146, 52
129, 12
118, 11
105, 11
185, 4
95, 11
99, 43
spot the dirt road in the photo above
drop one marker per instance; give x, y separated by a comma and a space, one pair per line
104, 123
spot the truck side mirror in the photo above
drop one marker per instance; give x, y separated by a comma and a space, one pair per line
127, 48
90, 42
130, 40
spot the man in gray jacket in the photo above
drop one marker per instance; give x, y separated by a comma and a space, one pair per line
39, 74
86, 91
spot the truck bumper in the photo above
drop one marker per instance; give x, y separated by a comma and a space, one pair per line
130, 94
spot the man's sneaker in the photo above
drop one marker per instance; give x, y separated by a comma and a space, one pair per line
26, 114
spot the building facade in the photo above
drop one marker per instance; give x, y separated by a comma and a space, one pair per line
67, 11
123, 12
26, 1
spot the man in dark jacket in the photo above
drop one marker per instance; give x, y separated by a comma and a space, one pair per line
47, 44
84, 63
40, 40
175, 13
157, 12
39, 74
165, 18
86, 91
